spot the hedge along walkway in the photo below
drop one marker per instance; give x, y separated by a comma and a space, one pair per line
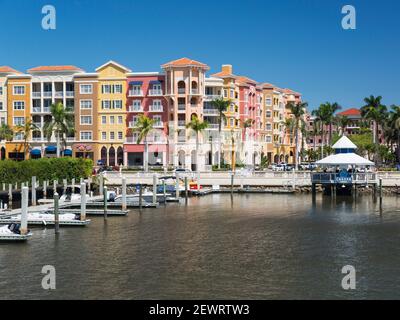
45, 169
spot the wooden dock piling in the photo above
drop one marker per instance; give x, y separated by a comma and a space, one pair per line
56, 213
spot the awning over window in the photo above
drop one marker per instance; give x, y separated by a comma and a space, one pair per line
155, 82
67, 152
36, 152
51, 149
136, 83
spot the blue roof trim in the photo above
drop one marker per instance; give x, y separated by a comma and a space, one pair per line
136, 82
36, 152
50, 149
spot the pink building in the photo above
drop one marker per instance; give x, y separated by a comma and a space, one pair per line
145, 95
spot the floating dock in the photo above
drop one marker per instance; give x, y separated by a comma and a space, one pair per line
8, 236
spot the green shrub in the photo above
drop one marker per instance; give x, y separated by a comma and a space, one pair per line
45, 169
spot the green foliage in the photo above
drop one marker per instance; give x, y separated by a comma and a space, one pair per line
45, 169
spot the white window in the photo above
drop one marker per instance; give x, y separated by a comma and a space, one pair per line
156, 136
268, 139
1, 91
103, 119
112, 120
268, 114
106, 88
137, 105
118, 88
2, 120
105, 104
225, 93
232, 94
117, 104
18, 90
112, 135
86, 120
86, 104
19, 105
268, 126
104, 135
268, 101
19, 121
1, 105
120, 135
232, 122
156, 106
85, 89
120, 120
86, 135
19, 136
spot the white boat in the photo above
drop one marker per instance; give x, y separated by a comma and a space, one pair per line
11, 232
147, 196
36, 218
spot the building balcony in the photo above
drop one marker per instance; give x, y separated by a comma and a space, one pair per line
38, 124
132, 124
154, 93
211, 97
158, 124
155, 108
212, 126
210, 112
59, 94
195, 91
36, 109
135, 93
181, 139
36, 94
47, 94
181, 90
150, 140
181, 107
181, 123
36, 139
69, 94
46, 109
135, 109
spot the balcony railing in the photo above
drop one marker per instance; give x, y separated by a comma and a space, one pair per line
150, 139
36, 109
38, 124
210, 97
69, 94
59, 94
132, 124
36, 94
156, 108
181, 139
195, 91
47, 94
181, 123
211, 112
343, 178
135, 93
181, 90
158, 124
46, 109
154, 92
37, 139
213, 126
181, 107
135, 109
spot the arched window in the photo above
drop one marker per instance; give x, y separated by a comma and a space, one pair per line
111, 156
103, 155
120, 156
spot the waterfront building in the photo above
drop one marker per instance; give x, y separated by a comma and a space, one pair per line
50, 85
111, 97
18, 113
4, 72
86, 144
146, 96
185, 90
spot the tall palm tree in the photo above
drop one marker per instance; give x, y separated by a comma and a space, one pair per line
221, 106
60, 124
374, 111
395, 122
322, 115
143, 126
26, 130
315, 131
298, 110
6, 132
197, 126
245, 124
332, 109
342, 122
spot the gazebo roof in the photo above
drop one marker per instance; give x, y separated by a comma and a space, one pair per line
345, 159
344, 143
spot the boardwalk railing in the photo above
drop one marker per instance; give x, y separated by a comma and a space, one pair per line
338, 178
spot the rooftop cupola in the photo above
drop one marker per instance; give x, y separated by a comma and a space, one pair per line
344, 145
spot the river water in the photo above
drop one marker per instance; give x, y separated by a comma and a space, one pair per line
247, 247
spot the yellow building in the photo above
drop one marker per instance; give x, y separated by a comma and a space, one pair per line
112, 89
18, 112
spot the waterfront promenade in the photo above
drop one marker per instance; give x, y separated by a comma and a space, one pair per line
258, 178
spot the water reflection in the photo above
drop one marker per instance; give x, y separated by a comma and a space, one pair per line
218, 246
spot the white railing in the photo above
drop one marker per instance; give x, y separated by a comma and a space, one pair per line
156, 108
158, 124
181, 107
38, 124
59, 94
210, 97
135, 109
46, 109
47, 94
69, 94
181, 123
211, 112
155, 92
213, 126
135, 93
36, 109
36, 94
195, 91
181, 90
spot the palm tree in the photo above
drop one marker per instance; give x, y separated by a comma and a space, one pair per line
26, 130
322, 116
197, 126
374, 111
144, 125
342, 122
395, 122
246, 124
61, 124
298, 110
221, 106
315, 131
332, 109
6, 132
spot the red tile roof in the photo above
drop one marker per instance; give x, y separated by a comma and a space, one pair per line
185, 62
350, 112
54, 68
6, 69
290, 91
223, 74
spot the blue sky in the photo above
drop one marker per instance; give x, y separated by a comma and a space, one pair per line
292, 43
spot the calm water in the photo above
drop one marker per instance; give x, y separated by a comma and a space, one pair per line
256, 246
